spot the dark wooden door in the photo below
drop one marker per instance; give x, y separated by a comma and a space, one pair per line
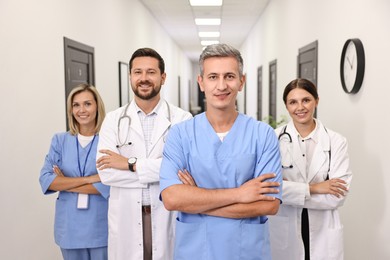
307, 63
272, 89
259, 93
79, 65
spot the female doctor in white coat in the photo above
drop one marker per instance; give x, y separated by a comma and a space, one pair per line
316, 179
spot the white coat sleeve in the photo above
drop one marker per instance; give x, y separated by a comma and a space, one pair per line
108, 140
148, 170
295, 193
339, 168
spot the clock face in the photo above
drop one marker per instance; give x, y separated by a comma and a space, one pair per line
350, 66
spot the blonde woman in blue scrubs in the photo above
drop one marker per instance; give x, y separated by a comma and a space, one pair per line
70, 168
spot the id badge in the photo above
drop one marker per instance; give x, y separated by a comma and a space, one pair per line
82, 201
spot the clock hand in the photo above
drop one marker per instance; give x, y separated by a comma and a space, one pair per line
350, 64
353, 57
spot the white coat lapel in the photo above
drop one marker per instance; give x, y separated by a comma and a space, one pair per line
161, 124
298, 159
320, 153
135, 126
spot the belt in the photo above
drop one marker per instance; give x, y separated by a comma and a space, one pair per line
146, 209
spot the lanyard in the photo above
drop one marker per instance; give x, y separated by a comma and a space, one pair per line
82, 173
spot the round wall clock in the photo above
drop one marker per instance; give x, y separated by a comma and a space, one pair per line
352, 66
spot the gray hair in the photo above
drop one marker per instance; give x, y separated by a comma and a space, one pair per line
221, 50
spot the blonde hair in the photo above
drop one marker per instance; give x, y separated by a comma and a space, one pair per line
101, 113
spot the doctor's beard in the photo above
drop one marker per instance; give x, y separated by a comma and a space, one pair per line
149, 95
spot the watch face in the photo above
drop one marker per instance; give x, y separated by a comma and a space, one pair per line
350, 66
132, 160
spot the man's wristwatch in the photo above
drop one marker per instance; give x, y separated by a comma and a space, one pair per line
132, 161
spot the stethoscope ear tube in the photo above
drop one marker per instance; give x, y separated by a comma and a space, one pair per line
284, 132
125, 116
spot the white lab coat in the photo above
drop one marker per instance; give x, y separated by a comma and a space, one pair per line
125, 241
326, 230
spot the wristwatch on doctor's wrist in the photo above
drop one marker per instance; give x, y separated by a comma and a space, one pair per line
132, 161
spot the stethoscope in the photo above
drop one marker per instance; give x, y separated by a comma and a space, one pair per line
290, 166
124, 116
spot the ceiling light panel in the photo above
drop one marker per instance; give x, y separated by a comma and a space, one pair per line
205, 2
207, 21
209, 34
205, 43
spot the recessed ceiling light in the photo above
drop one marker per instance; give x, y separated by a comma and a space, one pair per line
205, 43
209, 34
207, 21
206, 2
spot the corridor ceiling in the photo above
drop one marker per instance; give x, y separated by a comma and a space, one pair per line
177, 17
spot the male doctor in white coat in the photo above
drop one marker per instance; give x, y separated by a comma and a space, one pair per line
129, 157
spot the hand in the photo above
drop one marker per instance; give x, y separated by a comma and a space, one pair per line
57, 171
112, 160
186, 178
254, 190
336, 187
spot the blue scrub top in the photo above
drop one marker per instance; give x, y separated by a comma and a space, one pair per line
76, 228
249, 150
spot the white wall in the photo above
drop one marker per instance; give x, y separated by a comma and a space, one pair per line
286, 26
32, 97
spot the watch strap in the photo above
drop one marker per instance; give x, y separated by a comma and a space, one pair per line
131, 165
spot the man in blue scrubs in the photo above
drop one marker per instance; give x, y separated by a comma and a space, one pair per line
221, 170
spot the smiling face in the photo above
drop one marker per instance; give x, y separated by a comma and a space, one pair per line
301, 105
84, 110
221, 82
146, 78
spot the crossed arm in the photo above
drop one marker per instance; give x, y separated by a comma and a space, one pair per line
245, 201
74, 184
336, 187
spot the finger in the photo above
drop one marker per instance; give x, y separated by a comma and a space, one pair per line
105, 151
181, 177
189, 177
341, 192
337, 192
266, 176
103, 166
269, 190
270, 184
56, 169
185, 178
339, 181
267, 198
342, 187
